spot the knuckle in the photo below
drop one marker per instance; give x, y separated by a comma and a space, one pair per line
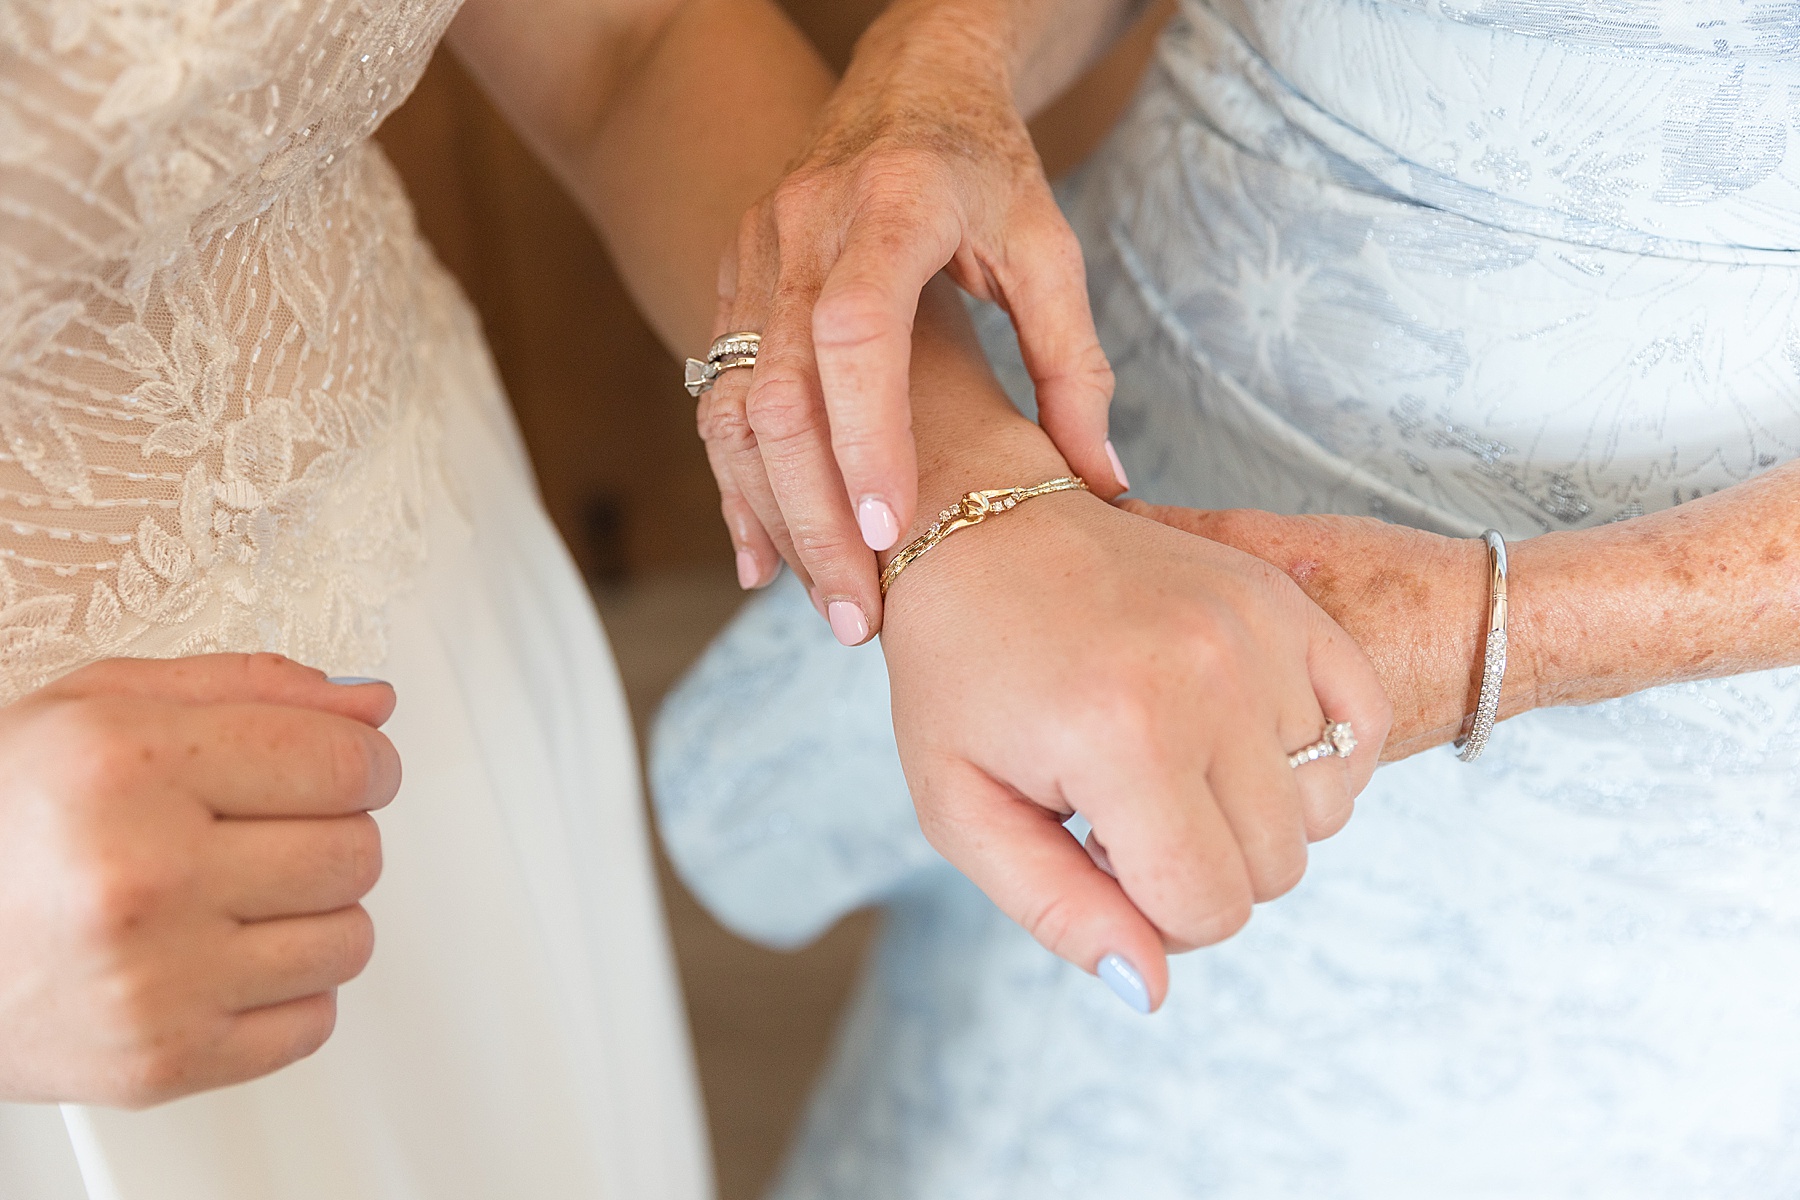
112, 900
350, 763
750, 229
154, 1056
896, 176
796, 201
357, 945
154, 1075
1226, 919
853, 314
1381, 707
263, 670
1210, 651
1329, 820
130, 1003
1094, 371
106, 675
311, 1033
1054, 921
1120, 715
939, 828
878, 440
758, 246
780, 407
737, 262
818, 547
1279, 874
722, 420
362, 855
102, 751
1060, 247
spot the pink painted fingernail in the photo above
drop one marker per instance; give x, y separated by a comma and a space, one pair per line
848, 623
1117, 466
880, 528
749, 574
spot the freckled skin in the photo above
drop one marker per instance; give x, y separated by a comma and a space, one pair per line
1705, 590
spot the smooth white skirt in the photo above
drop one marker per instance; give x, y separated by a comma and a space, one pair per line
519, 1033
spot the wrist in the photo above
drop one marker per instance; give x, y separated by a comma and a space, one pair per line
974, 42
968, 435
1000, 455
1540, 628
1031, 51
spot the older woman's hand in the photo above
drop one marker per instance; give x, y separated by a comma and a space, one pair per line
1415, 602
920, 163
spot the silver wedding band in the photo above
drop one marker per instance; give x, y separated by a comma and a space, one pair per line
726, 354
1338, 740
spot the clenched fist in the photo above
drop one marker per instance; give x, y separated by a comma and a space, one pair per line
183, 845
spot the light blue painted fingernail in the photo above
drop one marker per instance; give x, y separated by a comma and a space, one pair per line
353, 680
1125, 982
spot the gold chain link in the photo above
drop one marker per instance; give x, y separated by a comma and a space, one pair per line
972, 509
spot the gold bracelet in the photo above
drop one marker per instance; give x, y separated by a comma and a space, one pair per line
972, 509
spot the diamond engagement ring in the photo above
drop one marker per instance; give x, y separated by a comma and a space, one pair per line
727, 353
1338, 741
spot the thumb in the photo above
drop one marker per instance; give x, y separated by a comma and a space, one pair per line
232, 679
1039, 875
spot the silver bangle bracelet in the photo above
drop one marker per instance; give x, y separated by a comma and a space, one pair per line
1493, 664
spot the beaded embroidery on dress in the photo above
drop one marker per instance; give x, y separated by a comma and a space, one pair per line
215, 418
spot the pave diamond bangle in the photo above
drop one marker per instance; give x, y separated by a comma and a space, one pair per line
1493, 664
972, 509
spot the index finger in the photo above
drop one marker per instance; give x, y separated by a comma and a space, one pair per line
862, 328
232, 679
258, 760
1034, 871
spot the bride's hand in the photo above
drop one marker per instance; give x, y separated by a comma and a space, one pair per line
1068, 657
1415, 602
183, 845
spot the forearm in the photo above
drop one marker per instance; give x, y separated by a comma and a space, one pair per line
703, 154
723, 101
703, 105
1707, 589
1034, 48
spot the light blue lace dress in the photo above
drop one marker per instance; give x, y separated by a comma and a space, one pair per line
1525, 263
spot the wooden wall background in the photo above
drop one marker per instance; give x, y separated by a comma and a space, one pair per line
611, 432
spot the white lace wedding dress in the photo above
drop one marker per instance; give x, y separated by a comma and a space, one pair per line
1532, 264
242, 408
